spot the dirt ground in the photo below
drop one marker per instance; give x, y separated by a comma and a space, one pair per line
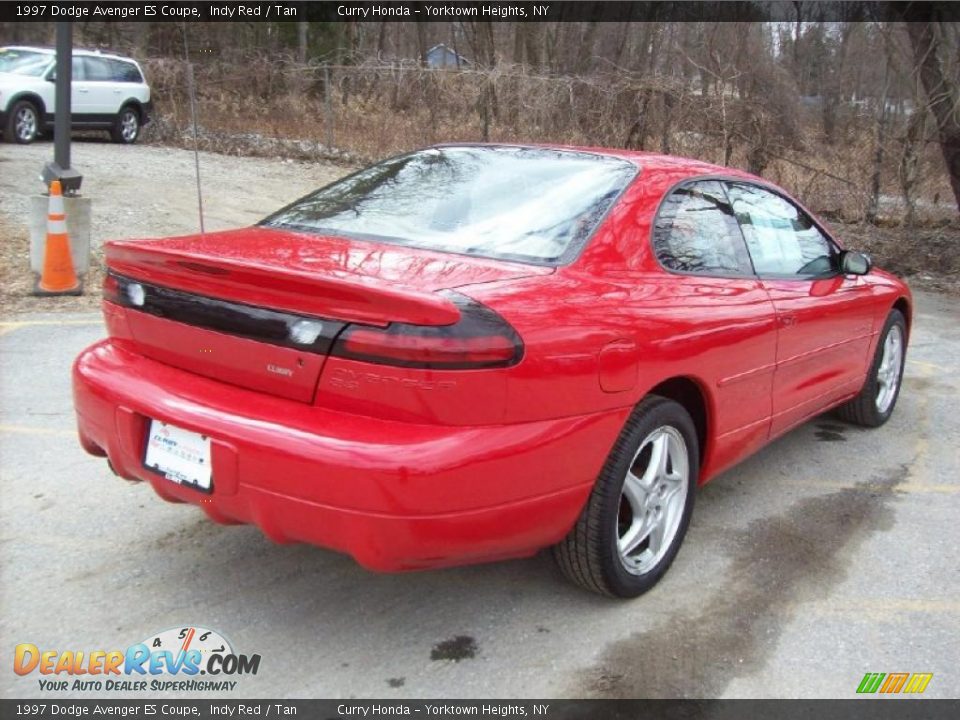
139, 191
149, 190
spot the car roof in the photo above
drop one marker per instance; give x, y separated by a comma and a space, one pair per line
76, 51
642, 159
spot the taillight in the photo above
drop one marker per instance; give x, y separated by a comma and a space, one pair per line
112, 289
123, 291
479, 339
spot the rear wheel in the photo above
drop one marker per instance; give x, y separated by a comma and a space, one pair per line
632, 526
126, 128
23, 123
873, 406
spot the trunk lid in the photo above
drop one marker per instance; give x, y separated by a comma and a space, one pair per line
261, 307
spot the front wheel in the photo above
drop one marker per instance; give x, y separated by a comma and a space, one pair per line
635, 520
23, 124
126, 128
873, 406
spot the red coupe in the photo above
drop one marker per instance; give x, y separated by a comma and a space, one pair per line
474, 352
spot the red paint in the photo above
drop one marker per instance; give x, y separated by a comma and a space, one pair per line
406, 468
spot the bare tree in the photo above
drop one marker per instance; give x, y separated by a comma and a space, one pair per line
880, 134
930, 37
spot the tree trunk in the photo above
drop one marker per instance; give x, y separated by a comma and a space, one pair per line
518, 32
422, 42
533, 38
943, 95
302, 28
667, 128
910, 163
834, 86
585, 51
873, 204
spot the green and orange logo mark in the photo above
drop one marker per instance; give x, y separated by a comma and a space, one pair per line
890, 683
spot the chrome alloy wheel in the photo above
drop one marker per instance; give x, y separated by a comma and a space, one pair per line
652, 500
888, 374
129, 126
25, 123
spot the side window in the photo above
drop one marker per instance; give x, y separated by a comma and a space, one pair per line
98, 69
782, 239
695, 231
124, 72
77, 71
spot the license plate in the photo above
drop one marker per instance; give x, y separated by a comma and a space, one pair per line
179, 455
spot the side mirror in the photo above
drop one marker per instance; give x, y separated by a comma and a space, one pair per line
855, 263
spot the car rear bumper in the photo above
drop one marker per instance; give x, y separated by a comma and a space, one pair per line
395, 496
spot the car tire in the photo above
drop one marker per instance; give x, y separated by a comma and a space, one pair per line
23, 123
126, 126
875, 402
613, 548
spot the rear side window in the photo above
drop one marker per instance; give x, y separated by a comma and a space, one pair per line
125, 72
696, 232
782, 239
78, 70
97, 69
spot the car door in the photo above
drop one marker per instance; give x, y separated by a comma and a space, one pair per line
824, 318
720, 313
50, 91
99, 94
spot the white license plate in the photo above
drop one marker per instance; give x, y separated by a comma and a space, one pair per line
179, 455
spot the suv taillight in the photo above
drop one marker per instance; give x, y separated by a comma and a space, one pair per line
479, 339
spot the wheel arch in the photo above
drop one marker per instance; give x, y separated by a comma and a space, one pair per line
34, 99
132, 103
690, 393
903, 305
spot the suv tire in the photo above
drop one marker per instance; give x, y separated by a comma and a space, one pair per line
126, 127
23, 123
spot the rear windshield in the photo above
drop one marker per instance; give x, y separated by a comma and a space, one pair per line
527, 204
23, 62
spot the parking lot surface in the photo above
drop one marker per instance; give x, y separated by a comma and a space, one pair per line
830, 554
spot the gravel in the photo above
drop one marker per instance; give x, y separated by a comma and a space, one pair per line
140, 191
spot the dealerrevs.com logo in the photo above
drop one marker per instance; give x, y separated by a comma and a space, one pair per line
179, 660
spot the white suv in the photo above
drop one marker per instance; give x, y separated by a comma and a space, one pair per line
108, 93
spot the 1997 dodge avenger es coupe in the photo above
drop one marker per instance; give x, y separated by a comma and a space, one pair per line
474, 352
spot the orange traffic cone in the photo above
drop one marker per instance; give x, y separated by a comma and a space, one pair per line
58, 277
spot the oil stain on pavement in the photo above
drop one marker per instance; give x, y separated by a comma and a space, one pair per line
830, 432
459, 648
779, 560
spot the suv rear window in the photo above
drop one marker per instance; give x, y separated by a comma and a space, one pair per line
125, 72
527, 204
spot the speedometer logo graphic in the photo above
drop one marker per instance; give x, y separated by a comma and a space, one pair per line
183, 639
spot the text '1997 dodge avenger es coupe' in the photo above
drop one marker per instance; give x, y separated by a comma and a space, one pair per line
473, 352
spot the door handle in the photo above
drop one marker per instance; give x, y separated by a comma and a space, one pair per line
788, 320
82, 90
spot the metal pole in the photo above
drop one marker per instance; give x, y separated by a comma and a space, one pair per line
61, 128
60, 169
192, 91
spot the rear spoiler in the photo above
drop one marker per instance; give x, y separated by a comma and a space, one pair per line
344, 296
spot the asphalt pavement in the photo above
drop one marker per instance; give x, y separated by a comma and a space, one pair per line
830, 554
